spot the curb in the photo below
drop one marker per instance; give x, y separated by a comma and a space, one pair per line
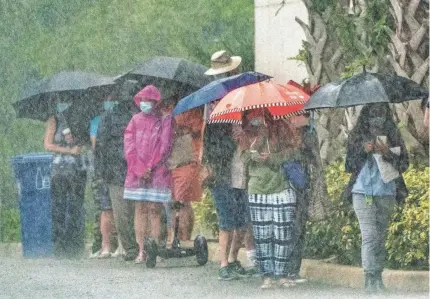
348, 276
314, 270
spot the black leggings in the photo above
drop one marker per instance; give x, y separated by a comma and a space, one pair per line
68, 225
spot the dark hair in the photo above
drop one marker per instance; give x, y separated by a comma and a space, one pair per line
361, 129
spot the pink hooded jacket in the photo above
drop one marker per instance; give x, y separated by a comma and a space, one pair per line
148, 140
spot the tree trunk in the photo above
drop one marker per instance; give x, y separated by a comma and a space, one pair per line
408, 56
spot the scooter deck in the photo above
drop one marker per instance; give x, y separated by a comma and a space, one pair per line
179, 252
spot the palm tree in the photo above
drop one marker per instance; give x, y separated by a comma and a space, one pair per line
393, 39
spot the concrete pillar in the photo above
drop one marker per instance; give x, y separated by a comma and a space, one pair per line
278, 38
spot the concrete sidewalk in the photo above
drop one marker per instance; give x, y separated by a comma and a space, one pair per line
348, 276
314, 270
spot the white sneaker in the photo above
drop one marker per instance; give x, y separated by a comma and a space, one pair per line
95, 255
118, 252
299, 279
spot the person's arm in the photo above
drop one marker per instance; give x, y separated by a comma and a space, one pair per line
401, 161
166, 140
356, 152
100, 160
49, 144
130, 151
241, 137
93, 142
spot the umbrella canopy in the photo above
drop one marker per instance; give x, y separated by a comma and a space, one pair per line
280, 101
38, 101
171, 75
366, 88
217, 89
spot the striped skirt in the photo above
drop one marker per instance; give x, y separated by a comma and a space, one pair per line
148, 194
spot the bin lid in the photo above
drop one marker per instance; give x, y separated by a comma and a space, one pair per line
32, 158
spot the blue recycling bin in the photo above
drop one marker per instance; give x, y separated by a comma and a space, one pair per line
33, 176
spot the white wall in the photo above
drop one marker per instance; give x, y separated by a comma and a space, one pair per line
279, 37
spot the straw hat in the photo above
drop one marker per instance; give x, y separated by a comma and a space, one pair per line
222, 62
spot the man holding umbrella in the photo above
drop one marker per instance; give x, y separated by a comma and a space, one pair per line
231, 203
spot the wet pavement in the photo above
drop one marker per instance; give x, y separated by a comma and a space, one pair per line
175, 278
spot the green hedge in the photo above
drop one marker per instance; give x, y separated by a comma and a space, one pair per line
339, 236
407, 242
9, 228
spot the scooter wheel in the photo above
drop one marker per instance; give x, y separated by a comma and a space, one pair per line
151, 249
201, 249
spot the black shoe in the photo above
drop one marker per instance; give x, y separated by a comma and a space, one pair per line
237, 269
130, 256
379, 284
252, 271
369, 283
225, 273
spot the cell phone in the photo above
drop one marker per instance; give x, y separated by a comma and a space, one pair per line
382, 139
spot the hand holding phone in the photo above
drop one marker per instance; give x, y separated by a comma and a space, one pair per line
381, 144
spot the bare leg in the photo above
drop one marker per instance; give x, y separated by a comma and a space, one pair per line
140, 224
250, 246
106, 228
236, 244
154, 216
186, 222
224, 246
249, 238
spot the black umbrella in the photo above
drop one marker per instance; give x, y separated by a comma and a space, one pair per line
173, 76
37, 101
366, 88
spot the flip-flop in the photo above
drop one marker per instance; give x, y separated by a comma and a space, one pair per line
105, 255
286, 283
140, 259
267, 284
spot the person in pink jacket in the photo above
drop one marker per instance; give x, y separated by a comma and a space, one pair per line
148, 140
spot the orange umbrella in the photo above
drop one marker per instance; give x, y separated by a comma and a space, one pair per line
279, 100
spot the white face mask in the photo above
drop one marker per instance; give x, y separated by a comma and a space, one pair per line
61, 107
256, 122
146, 107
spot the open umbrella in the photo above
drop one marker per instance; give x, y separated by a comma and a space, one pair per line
217, 89
280, 101
38, 101
366, 88
171, 75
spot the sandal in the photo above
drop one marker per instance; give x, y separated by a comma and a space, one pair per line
105, 255
140, 259
268, 283
286, 283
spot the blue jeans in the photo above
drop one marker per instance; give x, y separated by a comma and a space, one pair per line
231, 206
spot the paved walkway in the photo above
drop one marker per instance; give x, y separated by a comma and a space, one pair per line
175, 278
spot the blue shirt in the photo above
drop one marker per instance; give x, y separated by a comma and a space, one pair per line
94, 126
369, 182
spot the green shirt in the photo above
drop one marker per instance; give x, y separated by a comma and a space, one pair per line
267, 177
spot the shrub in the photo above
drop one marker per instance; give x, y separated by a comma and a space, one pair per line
10, 225
407, 241
408, 238
339, 235
205, 213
